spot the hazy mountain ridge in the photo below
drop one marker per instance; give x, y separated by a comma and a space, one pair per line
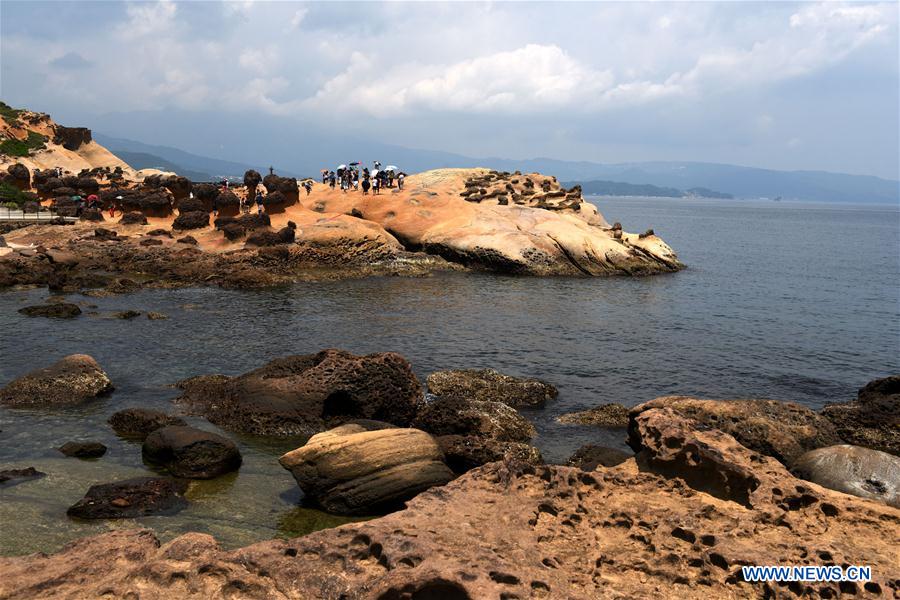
617, 188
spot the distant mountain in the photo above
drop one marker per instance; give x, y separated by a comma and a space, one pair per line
142, 160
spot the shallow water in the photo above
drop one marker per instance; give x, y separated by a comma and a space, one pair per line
781, 300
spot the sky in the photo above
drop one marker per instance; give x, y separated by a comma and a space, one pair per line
777, 85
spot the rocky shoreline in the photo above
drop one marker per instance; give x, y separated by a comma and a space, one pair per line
713, 485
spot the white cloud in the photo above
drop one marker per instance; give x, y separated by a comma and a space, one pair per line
298, 17
146, 18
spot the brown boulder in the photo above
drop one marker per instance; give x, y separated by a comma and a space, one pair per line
491, 420
138, 423
74, 379
306, 393
873, 419
605, 415
783, 430
463, 453
191, 220
55, 310
133, 218
853, 470
348, 470
131, 498
10, 477
190, 452
83, 449
493, 386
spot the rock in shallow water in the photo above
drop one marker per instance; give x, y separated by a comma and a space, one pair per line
306, 393
56, 310
83, 449
492, 386
190, 452
853, 470
492, 420
783, 430
873, 419
11, 477
137, 423
75, 379
463, 453
131, 498
348, 470
605, 415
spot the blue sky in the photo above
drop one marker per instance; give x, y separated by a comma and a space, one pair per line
779, 85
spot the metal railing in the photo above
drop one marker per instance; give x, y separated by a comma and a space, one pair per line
44, 214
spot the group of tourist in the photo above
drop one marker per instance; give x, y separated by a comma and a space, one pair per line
350, 177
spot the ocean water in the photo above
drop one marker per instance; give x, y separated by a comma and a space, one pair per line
792, 301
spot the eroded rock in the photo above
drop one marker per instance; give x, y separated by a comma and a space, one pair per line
83, 449
591, 456
131, 498
873, 419
605, 415
75, 379
463, 453
138, 423
55, 310
492, 386
190, 452
491, 420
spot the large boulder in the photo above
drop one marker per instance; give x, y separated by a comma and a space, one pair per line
73, 380
54, 310
307, 393
873, 419
492, 386
285, 235
131, 498
349, 470
190, 452
191, 220
138, 423
133, 218
463, 453
191, 205
491, 420
605, 415
853, 470
19, 176
71, 138
783, 430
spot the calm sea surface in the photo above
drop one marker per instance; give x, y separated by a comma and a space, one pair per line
781, 300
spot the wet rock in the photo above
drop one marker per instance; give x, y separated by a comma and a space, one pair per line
56, 310
131, 498
83, 449
591, 456
463, 453
492, 386
188, 239
783, 430
133, 218
853, 470
11, 477
75, 379
348, 470
126, 315
156, 316
873, 419
306, 393
605, 415
190, 452
138, 423
191, 220
491, 420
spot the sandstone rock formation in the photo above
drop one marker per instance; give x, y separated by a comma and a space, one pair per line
131, 498
873, 419
83, 449
492, 386
854, 470
591, 456
678, 522
191, 220
605, 415
349, 470
190, 452
75, 379
463, 453
783, 430
490, 420
306, 393
138, 423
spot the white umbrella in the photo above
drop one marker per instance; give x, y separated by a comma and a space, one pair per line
375, 173
342, 166
391, 168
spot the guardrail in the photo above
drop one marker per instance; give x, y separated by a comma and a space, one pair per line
18, 215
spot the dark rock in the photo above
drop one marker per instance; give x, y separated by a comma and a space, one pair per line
492, 386
873, 419
56, 310
605, 415
782, 430
274, 200
156, 316
191, 205
252, 178
151, 242
92, 214
178, 185
126, 315
492, 420
646, 234
133, 218
285, 235
160, 233
233, 231
105, 234
465, 452
87, 185
138, 423
188, 239
191, 453
19, 176
853, 470
227, 200
71, 138
11, 477
303, 394
207, 194
131, 498
590, 456
191, 220
83, 449
254, 221
73, 380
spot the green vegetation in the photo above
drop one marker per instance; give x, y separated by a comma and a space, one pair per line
11, 196
8, 112
14, 147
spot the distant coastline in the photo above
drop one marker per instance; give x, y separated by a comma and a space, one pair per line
618, 188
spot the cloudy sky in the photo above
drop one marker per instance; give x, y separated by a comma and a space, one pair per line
779, 85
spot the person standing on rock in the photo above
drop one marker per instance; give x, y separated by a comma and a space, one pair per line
331, 179
259, 202
400, 177
365, 185
375, 186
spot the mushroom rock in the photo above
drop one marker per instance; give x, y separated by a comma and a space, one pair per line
228, 204
286, 185
191, 205
251, 180
206, 193
348, 470
178, 185
275, 202
19, 176
285, 235
71, 138
73, 380
191, 220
